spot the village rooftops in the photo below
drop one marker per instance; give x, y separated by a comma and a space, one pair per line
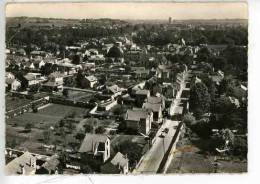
56, 75
142, 92
137, 114
9, 81
91, 142
120, 160
21, 164
153, 107
114, 88
91, 78
32, 76
154, 100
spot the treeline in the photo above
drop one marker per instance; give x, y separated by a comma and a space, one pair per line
145, 34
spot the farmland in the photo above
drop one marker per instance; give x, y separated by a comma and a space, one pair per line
41, 121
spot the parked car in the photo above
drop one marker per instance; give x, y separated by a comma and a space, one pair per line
166, 130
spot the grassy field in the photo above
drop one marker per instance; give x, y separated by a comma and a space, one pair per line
15, 102
189, 159
47, 116
17, 138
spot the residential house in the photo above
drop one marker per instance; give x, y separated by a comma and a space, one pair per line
156, 100
37, 54
50, 166
106, 105
12, 84
31, 79
118, 165
9, 75
113, 91
24, 164
38, 63
168, 90
89, 81
95, 146
156, 108
141, 95
54, 83
29, 65
139, 120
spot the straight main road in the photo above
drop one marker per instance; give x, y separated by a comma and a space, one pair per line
152, 159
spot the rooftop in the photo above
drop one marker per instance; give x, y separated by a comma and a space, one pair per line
136, 114
91, 141
120, 160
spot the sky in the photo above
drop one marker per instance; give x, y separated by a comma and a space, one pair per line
235, 10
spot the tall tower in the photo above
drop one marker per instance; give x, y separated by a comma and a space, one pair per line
170, 20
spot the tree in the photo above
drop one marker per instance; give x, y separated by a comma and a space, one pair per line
189, 119
88, 128
76, 59
203, 54
65, 92
199, 98
46, 136
28, 127
222, 105
132, 150
79, 78
240, 147
100, 130
80, 136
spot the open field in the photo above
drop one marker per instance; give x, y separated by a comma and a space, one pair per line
188, 159
15, 102
47, 116
41, 121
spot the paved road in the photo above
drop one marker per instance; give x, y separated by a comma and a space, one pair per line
152, 159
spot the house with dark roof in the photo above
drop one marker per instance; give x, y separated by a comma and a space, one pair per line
95, 146
12, 84
38, 63
118, 165
54, 83
31, 79
139, 120
140, 96
89, 81
155, 104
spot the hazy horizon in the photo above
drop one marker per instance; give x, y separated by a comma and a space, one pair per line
130, 11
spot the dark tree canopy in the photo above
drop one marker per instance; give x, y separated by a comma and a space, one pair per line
200, 98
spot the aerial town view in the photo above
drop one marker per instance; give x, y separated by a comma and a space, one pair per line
124, 95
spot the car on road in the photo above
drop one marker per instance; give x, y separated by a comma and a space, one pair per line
161, 135
166, 130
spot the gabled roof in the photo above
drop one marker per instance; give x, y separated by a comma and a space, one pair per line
91, 78
153, 107
154, 100
91, 142
30, 77
114, 88
55, 75
142, 92
136, 114
119, 159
